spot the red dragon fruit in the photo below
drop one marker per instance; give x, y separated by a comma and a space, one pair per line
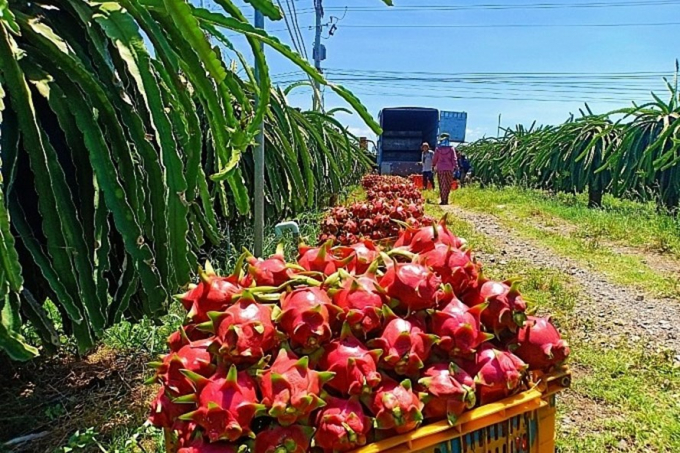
395, 406
290, 390
449, 391
425, 238
185, 335
454, 266
341, 425
212, 293
306, 316
227, 406
457, 327
245, 331
321, 259
361, 301
539, 344
497, 373
405, 344
201, 445
165, 412
171, 372
355, 367
506, 308
278, 439
274, 271
413, 285
365, 252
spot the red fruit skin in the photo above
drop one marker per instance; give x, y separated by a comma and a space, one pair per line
538, 343
306, 316
361, 302
506, 307
497, 374
425, 238
269, 272
395, 406
227, 406
212, 293
290, 389
291, 439
405, 346
245, 332
458, 328
355, 367
413, 285
203, 446
193, 357
365, 253
449, 390
178, 339
320, 259
454, 267
164, 413
341, 425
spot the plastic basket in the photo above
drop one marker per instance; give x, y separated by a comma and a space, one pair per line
523, 423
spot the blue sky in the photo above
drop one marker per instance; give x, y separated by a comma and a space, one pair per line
441, 43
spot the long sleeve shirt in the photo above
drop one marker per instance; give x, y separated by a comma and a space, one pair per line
445, 159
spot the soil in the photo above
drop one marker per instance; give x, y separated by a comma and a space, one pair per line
619, 312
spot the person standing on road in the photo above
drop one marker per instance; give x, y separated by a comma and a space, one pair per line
445, 163
426, 162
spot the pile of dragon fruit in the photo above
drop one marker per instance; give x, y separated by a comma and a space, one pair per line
346, 346
392, 204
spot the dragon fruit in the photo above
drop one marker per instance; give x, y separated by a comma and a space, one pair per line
212, 293
202, 446
457, 327
355, 367
405, 344
274, 271
506, 308
185, 335
449, 391
290, 390
165, 412
454, 267
497, 374
425, 238
306, 316
278, 439
245, 331
227, 406
171, 372
395, 406
364, 253
361, 301
539, 344
321, 259
341, 425
413, 285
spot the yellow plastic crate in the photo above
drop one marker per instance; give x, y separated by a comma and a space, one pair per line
523, 423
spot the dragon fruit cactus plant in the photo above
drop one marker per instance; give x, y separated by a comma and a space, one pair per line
395, 406
539, 344
448, 391
342, 425
355, 367
290, 389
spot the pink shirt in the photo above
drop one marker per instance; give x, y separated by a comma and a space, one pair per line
445, 158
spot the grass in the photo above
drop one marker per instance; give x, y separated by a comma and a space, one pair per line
621, 240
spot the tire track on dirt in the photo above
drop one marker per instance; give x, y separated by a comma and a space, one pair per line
611, 310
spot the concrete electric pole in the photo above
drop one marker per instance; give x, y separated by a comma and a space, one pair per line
258, 158
319, 52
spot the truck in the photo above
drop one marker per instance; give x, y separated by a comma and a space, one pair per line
404, 131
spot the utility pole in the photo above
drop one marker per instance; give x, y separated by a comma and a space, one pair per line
317, 53
498, 133
258, 158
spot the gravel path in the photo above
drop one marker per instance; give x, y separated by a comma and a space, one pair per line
619, 312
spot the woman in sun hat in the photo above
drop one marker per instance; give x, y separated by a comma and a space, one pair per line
445, 163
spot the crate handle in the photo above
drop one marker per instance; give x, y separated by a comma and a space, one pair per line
287, 226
